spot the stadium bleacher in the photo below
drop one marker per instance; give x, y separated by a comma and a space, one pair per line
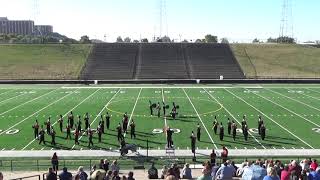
209, 61
161, 61
111, 61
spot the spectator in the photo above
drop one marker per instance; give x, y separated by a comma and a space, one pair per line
77, 177
206, 172
225, 172
295, 167
240, 170
130, 176
124, 177
224, 154
65, 175
114, 166
272, 174
115, 175
314, 164
51, 175
55, 162
93, 168
305, 164
214, 170
255, 171
1, 176
304, 175
98, 174
101, 164
293, 175
171, 177
153, 172
164, 172
82, 175
285, 175
186, 172
279, 167
108, 176
213, 156
106, 165
314, 175
176, 170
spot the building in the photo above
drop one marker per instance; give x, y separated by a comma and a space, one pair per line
23, 27
43, 29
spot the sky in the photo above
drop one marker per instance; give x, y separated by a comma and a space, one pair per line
237, 20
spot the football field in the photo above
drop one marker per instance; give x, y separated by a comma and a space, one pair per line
291, 114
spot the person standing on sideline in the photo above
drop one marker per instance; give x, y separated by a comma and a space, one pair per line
213, 156
55, 162
224, 154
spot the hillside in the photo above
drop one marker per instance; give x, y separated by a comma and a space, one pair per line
278, 60
50, 61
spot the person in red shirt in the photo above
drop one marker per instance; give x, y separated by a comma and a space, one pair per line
224, 154
285, 175
314, 164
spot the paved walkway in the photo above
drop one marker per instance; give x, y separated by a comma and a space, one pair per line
162, 153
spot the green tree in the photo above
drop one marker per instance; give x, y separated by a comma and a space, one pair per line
256, 40
224, 41
144, 40
127, 40
211, 39
85, 39
119, 39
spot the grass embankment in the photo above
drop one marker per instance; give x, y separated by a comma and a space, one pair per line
50, 61
278, 60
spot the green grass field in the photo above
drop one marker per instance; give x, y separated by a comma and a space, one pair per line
290, 112
278, 60
38, 61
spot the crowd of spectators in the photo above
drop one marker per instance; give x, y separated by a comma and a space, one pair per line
307, 169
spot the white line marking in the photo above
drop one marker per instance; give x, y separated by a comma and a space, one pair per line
234, 117
104, 107
11, 98
288, 110
270, 119
63, 116
35, 113
164, 116
294, 99
134, 107
200, 118
3, 149
167, 87
29, 101
7, 91
283, 148
32, 149
13, 149
42, 148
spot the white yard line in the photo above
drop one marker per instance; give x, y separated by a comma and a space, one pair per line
288, 110
7, 91
105, 106
311, 89
36, 113
164, 116
294, 99
11, 98
234, 117
63, 116
270, 119
200, 118
29, 101
134, 107
158, 87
